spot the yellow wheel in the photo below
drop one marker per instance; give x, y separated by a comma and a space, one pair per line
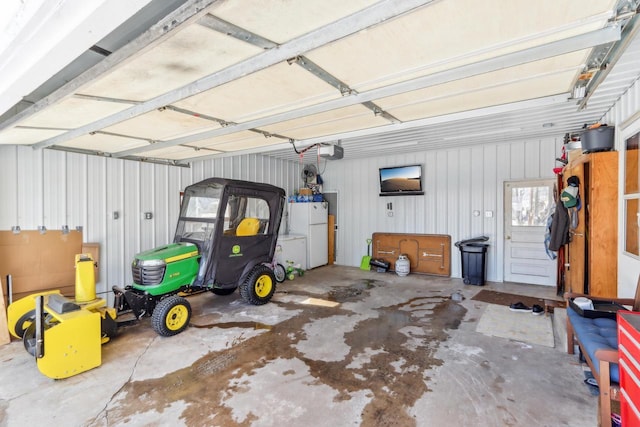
259, 286
264, 285
171, 316
176, 317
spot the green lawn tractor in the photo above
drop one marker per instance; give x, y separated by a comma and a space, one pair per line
225, 239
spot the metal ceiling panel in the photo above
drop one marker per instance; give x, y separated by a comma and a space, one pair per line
279, 88
180, 152
281, 21
162, 124
327, 123
190, 54
605, 35
552, 75
485, 97
445, 35
21, 136
103, 143
73, 112
237, 141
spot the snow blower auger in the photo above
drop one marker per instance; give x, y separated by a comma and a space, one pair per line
65, 335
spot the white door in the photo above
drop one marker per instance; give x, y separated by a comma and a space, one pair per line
527, 207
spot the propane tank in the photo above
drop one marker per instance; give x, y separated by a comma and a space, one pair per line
402, 265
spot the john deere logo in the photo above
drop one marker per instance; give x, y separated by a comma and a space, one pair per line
235, 250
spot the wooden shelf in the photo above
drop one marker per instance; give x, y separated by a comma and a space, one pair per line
428, 253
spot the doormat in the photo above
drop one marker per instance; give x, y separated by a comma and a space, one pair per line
499, 321
502, 298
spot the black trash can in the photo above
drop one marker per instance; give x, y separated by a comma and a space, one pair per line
473, 260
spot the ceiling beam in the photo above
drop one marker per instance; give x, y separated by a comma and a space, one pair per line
220, 25
372, 15
140, 159
560, 47
189, 12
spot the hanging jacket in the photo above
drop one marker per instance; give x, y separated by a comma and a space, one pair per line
559, 228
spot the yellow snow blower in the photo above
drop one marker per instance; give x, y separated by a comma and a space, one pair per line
64, 335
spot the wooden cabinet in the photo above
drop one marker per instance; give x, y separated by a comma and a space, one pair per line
592, 253
427, 253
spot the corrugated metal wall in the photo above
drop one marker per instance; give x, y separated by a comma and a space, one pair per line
53, 188
456, 182
620, 115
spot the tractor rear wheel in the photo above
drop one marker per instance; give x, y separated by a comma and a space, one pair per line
171, 316
259, 286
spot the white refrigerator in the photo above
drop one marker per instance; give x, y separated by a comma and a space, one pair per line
310, 219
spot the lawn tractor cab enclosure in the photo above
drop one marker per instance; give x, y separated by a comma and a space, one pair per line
225, 239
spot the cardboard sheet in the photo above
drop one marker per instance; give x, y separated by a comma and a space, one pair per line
39, 262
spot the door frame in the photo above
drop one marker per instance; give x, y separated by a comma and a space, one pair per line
334, 211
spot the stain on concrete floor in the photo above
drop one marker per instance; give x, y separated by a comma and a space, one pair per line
389, 356
347, 293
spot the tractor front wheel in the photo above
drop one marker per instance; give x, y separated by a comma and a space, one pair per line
259, 286
171, 316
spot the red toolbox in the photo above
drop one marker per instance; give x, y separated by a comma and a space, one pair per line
629, 354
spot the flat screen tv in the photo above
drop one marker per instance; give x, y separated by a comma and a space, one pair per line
401, 181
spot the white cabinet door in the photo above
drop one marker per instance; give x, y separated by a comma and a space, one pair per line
317, 243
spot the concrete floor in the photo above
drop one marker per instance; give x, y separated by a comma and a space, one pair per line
396, 351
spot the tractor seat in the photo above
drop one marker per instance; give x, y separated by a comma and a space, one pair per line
248, 227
